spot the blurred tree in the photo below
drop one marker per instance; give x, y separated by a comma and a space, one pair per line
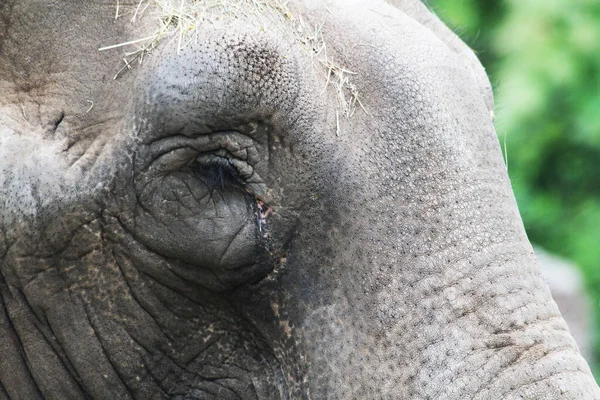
543, 58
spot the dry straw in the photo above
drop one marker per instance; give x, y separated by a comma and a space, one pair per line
178, 22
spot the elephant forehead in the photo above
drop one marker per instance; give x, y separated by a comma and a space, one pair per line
368, 54
363, 36
240, 76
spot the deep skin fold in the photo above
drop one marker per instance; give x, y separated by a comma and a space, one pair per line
386, 262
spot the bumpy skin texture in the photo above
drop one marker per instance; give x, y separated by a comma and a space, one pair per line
202, 232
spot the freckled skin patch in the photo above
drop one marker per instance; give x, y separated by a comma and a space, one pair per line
211, 229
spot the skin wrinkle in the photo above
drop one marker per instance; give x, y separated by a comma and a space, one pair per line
536, 382
128, 381
64, 358
22, 322
91, 356
47, 331
234, 237
514, 359
3, 393
106, 354
135, 298
223, 284
163, 357
86, 161
28, 382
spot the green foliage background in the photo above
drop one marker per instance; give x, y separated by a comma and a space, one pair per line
543, 59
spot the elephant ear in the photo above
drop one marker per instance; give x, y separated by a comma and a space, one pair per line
420, 13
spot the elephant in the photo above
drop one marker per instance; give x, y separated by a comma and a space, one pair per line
284, 200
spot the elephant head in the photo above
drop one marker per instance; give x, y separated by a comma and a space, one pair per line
286, 201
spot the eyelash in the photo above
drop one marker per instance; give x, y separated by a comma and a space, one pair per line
217, 172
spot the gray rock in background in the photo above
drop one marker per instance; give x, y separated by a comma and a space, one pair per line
568, 289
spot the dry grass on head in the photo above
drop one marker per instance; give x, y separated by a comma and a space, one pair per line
178, 21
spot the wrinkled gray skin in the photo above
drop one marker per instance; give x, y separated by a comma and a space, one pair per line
203, 232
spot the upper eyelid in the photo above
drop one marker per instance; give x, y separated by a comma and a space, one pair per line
238, 145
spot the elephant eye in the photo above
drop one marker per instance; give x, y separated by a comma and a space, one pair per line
217, 170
